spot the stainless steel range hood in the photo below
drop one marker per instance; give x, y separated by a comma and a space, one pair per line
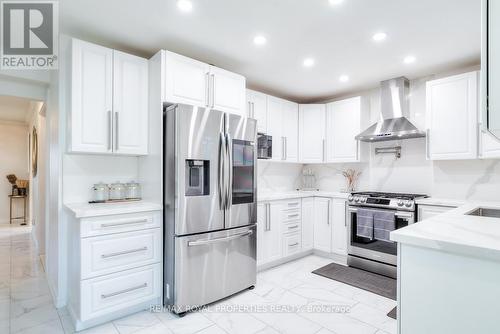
393, 124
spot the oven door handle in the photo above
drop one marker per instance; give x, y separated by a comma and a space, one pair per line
352, 209
403, 215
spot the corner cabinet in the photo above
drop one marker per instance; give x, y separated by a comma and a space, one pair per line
193, 82
312, 119
343, 123
330, 228
257, 109
109, 101
452, 117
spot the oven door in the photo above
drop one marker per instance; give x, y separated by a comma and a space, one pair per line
376, 250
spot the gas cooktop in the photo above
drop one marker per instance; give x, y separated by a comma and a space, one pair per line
399, 201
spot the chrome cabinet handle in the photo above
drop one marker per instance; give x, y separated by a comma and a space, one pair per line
427, 144
269, 216
107, 256
328, 217
324, 154
116, 131
294, 215
213, 89
217, 240
142, 286
110, 130
286, 148
479, 139
292, 245
293, 204
293, 227
253, 110
207, 89
142, 221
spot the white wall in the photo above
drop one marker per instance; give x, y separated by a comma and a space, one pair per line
13, 160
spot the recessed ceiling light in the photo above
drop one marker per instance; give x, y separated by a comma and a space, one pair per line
309, 62
380, 36
409, 59
259, 40
185, 5
344, 78
335, 2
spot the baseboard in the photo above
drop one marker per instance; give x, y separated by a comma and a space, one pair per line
58, 302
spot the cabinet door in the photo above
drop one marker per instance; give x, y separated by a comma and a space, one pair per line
274, 126
307, 223
429, 211
322, 224
257, 108
452, 117
130, 104
269, 238
186, 80
339, 227
228, 91
312, 133
290, 130
91, 98
343, 119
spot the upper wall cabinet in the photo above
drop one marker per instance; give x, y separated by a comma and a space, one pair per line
312, 133
282, 125
343, 123
452, 117
109, 101
192, 82
290, 130
257, 109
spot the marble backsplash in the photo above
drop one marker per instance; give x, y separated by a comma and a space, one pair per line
278, 176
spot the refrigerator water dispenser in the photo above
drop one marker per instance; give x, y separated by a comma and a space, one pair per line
197, 177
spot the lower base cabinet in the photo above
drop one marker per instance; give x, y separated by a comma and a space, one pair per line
289, 227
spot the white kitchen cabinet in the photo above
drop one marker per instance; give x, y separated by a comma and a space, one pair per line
312, 118
343, 123
193, 82
257, 109
275, 126
269, 247
290, 130
429, 211
228, 91
130, 104
109, 101
339, 226
452, 117
307, 223
91, 98
186, 80
322, 224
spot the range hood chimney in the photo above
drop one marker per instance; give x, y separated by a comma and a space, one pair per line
393, 124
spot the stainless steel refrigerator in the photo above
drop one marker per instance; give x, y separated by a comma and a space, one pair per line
210, 205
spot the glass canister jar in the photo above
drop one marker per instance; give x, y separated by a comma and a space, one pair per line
116, 191
132, 190
101, 192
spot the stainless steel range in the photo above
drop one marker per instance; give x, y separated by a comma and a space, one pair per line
371, 218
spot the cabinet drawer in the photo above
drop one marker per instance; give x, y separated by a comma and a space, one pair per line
289, 215
292, 204
292, 244
119, 223
111, 253
107, 294
291, 227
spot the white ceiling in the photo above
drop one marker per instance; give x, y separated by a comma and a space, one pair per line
15, 109
442, 34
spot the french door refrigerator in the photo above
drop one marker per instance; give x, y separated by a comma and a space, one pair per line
210, 205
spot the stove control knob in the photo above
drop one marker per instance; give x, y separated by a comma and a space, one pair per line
400, 202
363, 199
350, 198
408, 204
356, 199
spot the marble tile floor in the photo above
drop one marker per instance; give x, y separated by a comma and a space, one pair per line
287, 299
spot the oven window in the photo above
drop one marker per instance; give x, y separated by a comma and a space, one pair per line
374, 244
243, 171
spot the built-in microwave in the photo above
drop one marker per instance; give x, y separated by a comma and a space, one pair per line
264, 146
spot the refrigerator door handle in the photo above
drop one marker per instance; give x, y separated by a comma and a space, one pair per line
229, 180
221, 183
217, 240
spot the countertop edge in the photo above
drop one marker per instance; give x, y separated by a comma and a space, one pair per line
86, 210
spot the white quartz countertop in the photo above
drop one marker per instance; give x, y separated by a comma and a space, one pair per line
83, 210
456, 232
280, 195
440, 201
